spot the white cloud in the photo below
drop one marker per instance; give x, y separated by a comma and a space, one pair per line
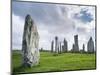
59, 22
85, 30
17, 31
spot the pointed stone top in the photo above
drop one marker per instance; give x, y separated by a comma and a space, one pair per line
28, 19
52, 41
28, 16
65, 40
90, 38
56, 37
76, 35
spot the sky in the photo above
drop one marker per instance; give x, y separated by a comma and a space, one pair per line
52, 20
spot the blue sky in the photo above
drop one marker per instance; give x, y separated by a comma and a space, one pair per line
53, 20
85, 17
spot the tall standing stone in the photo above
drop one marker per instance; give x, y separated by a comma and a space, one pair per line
90, 45
56, 44
52, 46
30, 43
83, 48
41, 49
65, 45
76, 47
60, 47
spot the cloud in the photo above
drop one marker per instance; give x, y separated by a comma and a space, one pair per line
54, 20
17, 31
84, 23
84, 16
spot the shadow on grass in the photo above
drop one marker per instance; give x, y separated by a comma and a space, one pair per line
22, 69
18, 70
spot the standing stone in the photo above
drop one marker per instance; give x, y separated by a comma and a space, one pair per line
65, 45
90, 45
41, 49
56, 44
73, 48
60, 47
52, 44
83, 48
76, 47
30, 43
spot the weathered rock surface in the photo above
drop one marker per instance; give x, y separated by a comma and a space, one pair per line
83, 47
76, 47
56, 44
90, 45
60, 47
65, 45
73, 47
30, 43
52, 45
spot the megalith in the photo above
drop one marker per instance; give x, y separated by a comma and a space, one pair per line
30, 43
76, 47
65, 45
56, 44
52, 46
90, 45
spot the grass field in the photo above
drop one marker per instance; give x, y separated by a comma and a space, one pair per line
51, 63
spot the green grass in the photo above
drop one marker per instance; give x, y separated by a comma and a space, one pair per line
60, 62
